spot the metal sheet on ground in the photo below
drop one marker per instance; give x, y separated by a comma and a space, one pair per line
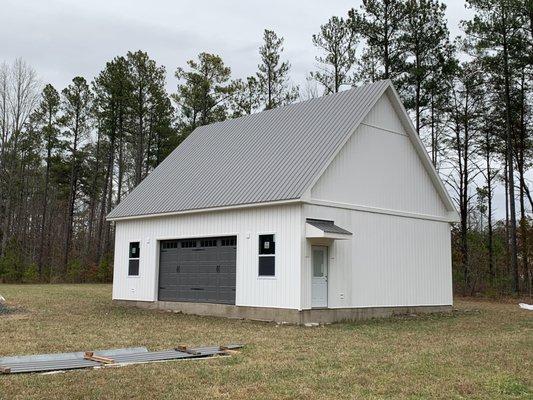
68, 356
70, 361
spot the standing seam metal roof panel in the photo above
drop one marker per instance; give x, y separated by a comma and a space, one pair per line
327, 226
269, 156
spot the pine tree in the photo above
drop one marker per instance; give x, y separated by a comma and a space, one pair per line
48, 118
113, 90
466, 110
338, 41
204, 91
380, 24
496, 33
146, 79
162, 137
246, 98
273, 75
425, 40
76, 119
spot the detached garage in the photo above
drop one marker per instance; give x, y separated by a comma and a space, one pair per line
319, 211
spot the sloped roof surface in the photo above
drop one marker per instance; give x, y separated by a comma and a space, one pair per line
269, 156
327, 226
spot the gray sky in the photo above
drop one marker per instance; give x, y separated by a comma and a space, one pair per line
63, 38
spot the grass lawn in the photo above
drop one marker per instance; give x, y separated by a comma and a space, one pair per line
482, 350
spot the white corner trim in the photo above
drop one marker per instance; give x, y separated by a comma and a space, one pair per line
375, 210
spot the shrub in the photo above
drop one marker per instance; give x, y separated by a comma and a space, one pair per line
74, 271
11, 263
31, 274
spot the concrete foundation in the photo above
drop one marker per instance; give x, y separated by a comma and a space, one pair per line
284, 315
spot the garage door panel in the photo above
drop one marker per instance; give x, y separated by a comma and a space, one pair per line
226, 296
198, 270
227, 281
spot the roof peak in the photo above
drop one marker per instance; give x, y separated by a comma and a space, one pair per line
285, 107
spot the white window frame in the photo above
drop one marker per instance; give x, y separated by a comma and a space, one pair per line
267, 277
134, 258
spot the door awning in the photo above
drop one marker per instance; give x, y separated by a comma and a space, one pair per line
323, 229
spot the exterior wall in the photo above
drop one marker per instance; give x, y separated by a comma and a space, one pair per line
285, 221
379, 167
389, 261
378, 188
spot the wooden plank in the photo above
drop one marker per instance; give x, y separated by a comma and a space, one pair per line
5, 370
226, 351
89, 355
185, 349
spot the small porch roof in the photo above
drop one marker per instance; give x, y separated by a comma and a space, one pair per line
324, 229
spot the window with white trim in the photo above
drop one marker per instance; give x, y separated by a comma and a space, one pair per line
267, 255
134, 255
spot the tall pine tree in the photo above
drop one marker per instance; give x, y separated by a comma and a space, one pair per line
204, 91
76, 109
337, 40
273, 75
380, 24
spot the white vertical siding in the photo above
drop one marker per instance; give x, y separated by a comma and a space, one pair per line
379, 167
285, 222
384, 116
389, 261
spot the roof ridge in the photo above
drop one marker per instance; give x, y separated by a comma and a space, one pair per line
298, 103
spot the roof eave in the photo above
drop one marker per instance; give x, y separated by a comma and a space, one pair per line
204, 210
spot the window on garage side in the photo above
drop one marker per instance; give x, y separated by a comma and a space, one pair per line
267, 255
133, 262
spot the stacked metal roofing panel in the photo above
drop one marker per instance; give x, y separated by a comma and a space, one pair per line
79, 360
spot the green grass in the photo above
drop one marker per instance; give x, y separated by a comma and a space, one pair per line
482, 350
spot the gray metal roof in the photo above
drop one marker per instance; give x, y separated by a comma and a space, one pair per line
327, 226
269, 156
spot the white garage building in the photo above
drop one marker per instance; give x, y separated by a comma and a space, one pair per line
319, 211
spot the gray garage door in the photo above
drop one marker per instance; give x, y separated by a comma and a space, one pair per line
198, 270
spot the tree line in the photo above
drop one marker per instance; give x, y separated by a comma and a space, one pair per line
67, 157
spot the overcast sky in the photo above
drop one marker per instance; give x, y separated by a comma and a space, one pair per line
64, 38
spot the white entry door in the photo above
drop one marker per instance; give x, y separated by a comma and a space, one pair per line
319, 285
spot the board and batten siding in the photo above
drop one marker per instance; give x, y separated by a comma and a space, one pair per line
389, 261
285, 221
379, 167
378, 188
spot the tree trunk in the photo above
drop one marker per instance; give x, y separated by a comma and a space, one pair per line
140, 138
45, 199
386, 60
520, 163
490, 245
107, 187
73, 183
510, 162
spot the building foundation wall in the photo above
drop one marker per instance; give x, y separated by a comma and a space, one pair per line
284, 315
